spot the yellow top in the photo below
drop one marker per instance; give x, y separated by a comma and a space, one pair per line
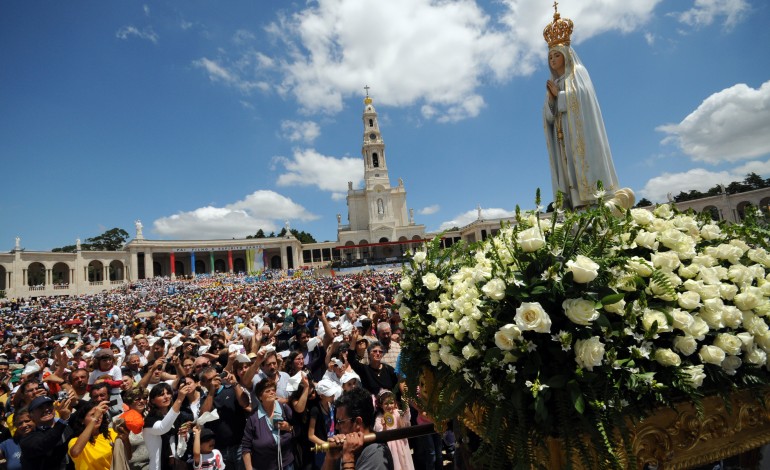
96, 455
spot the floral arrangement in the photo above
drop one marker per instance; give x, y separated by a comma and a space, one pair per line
572, 325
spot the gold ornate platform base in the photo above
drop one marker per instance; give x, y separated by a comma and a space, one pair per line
677, 438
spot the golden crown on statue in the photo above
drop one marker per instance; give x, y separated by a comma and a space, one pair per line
558, 32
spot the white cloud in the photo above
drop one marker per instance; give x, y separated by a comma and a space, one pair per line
310, 168
649, 38
305, 131
243, 36
146, 9
704, 12
433, 54
262, 209
467, 217
147, 33
429, 210
729, 125
230, 76
700, 179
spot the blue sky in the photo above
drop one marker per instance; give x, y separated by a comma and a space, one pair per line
211, 120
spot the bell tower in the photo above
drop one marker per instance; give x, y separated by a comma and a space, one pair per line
379, 223
373, 149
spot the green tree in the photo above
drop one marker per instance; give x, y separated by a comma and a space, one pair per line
260, 234
111, 240
282, 233
303, 236
643, 202
754, 181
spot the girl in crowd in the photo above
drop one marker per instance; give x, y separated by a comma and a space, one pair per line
136, 400
159, 424
390, 417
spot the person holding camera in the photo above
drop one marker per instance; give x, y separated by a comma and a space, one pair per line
268, 438
93, 440
223, 395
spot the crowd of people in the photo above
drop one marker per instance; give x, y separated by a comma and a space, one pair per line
216, 372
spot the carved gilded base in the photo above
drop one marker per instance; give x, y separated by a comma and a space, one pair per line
671, 438
677, 438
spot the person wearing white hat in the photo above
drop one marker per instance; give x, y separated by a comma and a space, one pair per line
321, 424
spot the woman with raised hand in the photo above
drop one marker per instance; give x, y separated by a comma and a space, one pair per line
159, 424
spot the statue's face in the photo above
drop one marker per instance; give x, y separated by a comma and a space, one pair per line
556, 61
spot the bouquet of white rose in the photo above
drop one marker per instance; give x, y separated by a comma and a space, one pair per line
569, 325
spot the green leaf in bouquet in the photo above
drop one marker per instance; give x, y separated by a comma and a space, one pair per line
612, 298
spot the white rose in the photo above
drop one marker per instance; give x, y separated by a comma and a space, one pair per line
688, 300
583, 269
431, 281
754, 324
419, 257
740, 244
688, 271
712, 317
530, 316
494, 289
506, 336
675, 240
469, 352
708, 292
406, 284
664, 211
728, 291
667, 357
731, 364
698, 329
740, 274
682, 319
709, 276
696, 375
646, 240
759, 255
642, 216
749, 298
727, 252
728, 343
704, 260
763, 341
685, 344
589, 352
530, 239
404, 311
747, 339
640, 266
711, 232
580, 311
649, 317
665, 261
450, 359
731, 316
617, 307
711, 354
756, 356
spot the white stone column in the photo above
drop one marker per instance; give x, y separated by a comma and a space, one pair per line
105, 273
148, 274
134, 266
284, 258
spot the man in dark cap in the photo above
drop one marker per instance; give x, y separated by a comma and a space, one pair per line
46, 446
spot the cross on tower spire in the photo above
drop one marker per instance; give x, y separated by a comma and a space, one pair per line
366, 87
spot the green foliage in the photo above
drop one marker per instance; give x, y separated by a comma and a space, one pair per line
111, 240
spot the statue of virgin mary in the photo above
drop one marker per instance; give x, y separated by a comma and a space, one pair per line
577, 143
